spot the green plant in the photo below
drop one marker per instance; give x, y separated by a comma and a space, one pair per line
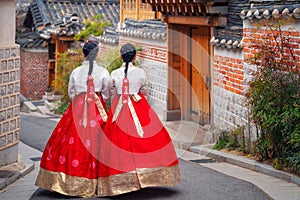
61, 106
112, 60
294, 162
93, 26
67, 61
232, 140
274, 93
277, 164
222, 140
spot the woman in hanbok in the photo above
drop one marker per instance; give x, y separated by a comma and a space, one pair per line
69, 164
136, 149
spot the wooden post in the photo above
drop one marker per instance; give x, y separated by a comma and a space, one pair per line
121, 11
62, 45
137, 9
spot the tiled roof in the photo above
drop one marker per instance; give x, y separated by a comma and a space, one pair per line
52, 15
70, 26
30, 40
152, 29
149, 29
231, 35
189, 7
109, 36
265, 12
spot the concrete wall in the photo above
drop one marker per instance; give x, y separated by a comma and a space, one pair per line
9, 85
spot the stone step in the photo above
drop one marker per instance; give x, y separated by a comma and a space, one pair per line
49, 105
29, 106
44, 110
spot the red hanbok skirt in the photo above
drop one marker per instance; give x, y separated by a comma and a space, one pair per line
69, 164
136, 150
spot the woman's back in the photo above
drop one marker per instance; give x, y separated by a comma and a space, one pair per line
136, 76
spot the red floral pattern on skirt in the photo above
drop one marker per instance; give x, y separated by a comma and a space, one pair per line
73, 149
123, 150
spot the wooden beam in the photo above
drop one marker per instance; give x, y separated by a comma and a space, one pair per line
199, 1
217, 1
65, 38
197, 21
137, 9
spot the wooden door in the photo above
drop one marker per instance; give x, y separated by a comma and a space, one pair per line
199, 75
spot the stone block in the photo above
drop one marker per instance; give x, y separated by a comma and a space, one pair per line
27, 105
9, 155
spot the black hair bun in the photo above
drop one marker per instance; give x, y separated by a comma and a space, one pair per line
88, 48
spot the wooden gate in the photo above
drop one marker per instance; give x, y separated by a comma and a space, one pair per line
189, 73
199, 75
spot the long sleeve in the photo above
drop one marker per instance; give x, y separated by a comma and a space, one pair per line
144, 88
137, 80
113, 90
106, 86
71, 87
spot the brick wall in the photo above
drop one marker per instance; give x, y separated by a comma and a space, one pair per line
34, 73
229, 110
232, 72
251, 33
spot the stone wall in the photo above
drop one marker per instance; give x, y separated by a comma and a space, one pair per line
9, 85
34, 73
9, 104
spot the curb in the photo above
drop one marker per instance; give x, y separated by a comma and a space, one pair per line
245, 163
9, 180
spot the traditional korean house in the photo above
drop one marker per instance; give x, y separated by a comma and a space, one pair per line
53, 25
206, 56
143, 27
151, 37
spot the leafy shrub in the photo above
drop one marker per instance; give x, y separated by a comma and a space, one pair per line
93, 26
67, 61
274, 96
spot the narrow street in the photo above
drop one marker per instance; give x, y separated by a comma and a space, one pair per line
197, 182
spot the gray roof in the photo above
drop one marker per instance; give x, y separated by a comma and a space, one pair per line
265, 12
152, 29
30, 40
66, 17
109, 36
231, 35
149, 29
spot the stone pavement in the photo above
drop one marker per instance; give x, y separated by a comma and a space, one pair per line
191, 142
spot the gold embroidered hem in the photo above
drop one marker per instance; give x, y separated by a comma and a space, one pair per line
66, 184
135, 180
